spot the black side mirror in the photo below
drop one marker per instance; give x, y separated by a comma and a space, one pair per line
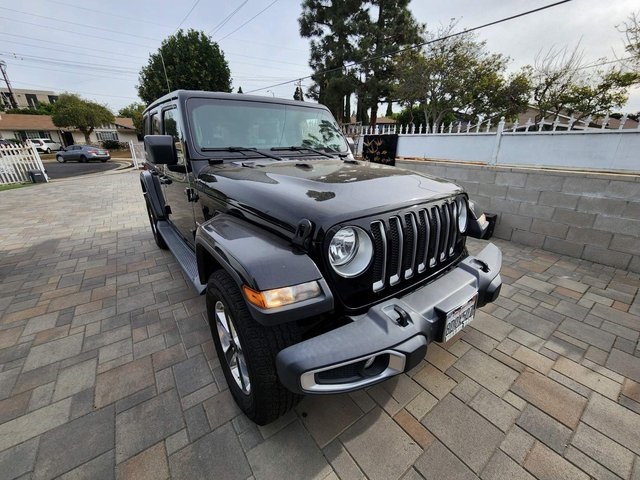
160, 150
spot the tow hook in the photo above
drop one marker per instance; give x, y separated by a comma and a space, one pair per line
482, 265
403, 317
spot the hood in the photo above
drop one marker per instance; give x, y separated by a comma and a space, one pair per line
327, 192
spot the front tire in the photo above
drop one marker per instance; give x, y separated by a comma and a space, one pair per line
154, 227
83, 159
247, 352
48, 150
103, 160
60, 158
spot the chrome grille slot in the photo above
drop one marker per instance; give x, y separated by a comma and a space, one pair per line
446, 221
380, 255
411, 244
397, 247
437, 228
453, 211
423, 240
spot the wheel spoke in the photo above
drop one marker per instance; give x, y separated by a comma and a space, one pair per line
231, 348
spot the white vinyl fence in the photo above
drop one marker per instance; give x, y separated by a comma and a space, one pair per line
16, 161
137, 153
573, 144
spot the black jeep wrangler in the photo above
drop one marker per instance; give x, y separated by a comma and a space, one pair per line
323, 274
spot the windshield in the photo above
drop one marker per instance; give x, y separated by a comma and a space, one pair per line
232, 123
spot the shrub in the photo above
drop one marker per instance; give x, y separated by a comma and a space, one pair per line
114, 145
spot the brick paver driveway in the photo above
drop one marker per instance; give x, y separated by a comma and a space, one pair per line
107, 368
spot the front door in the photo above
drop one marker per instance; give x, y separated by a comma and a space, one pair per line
177, 181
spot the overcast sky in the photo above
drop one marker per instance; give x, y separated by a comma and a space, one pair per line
96, 48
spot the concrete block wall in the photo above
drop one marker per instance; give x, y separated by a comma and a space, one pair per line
592, 216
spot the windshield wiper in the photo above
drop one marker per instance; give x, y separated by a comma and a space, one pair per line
337, 152
240, 150
299, 149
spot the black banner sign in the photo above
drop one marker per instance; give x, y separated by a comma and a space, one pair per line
380, 148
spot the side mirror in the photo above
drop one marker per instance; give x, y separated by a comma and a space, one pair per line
352, 145
160, 150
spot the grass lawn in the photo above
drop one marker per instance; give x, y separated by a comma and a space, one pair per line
11, 186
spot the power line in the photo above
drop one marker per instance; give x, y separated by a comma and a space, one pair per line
102, 12
72, 53
226, 19
83, 35
250, 20
417, 45
187, 15
83, 25
49, 60
65, 45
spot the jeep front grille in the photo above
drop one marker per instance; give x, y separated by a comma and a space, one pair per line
412, 242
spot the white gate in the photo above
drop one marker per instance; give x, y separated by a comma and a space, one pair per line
137, 153
16, 161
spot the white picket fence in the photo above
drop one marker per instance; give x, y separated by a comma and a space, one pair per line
567, 143
16, 161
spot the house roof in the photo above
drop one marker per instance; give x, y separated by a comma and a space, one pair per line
21, 121
124, 122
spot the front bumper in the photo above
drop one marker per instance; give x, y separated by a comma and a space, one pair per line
392, 337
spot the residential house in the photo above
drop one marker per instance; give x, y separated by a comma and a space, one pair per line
22, 127
27, 98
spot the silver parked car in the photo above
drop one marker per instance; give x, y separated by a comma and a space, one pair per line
83, 153
45, 145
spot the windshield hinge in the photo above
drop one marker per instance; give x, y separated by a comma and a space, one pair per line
302, 237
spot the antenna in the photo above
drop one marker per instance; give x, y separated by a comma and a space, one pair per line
12, 98
166, 77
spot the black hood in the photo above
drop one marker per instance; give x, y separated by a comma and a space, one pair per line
327, 192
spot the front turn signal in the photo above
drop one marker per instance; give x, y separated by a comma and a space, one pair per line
279, 297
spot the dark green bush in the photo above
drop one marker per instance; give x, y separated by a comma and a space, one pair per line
114, 145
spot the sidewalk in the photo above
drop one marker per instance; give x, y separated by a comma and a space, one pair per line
107, 367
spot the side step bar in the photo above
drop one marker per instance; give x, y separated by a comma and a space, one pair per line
185, 256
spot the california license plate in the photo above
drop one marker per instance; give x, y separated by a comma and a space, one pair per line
458, 318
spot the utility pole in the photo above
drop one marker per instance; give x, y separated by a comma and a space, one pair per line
12, 98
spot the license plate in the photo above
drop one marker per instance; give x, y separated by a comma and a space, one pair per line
458, 318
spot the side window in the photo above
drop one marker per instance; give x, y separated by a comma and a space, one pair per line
147, 125
172, 127
155, 124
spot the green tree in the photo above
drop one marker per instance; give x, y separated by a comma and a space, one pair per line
391, 26
631, 30
563, 84
332, 27
191, 60
72, 111
134, 112
458, 77
41, 109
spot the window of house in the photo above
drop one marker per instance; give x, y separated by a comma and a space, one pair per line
32, 100
102, 136
53, 98
34, 134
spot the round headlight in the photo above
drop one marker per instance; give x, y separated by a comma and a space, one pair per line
350, 251
462, 215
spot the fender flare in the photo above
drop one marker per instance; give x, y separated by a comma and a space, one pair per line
153, 191
262, 261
